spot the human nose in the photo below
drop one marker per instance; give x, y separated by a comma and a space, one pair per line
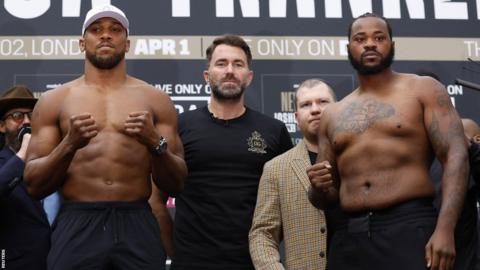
26, 118
370, 44
229, 68
315, 108
105, 35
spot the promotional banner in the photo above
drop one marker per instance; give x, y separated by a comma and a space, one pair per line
291, 41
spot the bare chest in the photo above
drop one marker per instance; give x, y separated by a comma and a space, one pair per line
109, 110
368, 120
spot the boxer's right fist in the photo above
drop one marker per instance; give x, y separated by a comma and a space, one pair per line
82, 129
320, 175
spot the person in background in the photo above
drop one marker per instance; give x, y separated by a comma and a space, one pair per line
24, 228
466, 231
283, 212
226, 145
472, 132
158, 201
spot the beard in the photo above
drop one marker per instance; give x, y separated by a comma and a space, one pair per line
11, 139
227, 92
363, 69
105, 63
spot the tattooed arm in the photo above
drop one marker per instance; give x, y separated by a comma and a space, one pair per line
445, 132
324, 175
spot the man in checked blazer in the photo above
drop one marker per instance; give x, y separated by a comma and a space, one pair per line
283, 211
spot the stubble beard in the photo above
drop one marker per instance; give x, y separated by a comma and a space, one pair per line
11, 139
227, 92
105, 62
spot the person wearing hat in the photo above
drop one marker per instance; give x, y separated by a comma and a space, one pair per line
24, 229
103, 138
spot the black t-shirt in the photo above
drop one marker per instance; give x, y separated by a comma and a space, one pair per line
312, 156
225, 160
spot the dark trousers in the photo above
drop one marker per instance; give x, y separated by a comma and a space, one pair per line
393, 238
106, 235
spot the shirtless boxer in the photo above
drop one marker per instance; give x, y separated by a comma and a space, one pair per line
375, 151
101, 138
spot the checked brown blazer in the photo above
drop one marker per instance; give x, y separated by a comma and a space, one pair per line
283, 212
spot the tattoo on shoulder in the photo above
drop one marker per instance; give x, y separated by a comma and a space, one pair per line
357, 117
437, 139
443, 100
454, 130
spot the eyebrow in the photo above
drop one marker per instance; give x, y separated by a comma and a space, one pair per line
364, 33
234, 61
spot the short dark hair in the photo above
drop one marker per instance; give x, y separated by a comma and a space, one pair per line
230, 40
370, 15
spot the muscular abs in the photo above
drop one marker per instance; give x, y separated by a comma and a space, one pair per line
381, 152
112, 166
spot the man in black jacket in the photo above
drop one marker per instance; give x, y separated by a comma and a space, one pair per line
472, 132
24, 229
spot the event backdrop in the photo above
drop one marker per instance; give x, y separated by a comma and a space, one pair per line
291, 40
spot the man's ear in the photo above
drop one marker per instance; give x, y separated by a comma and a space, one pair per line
81, 44
206, 76
250, 77
127, 46
476, 138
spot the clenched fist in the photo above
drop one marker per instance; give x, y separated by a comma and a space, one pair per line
140, 125
320, 175
82, 129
